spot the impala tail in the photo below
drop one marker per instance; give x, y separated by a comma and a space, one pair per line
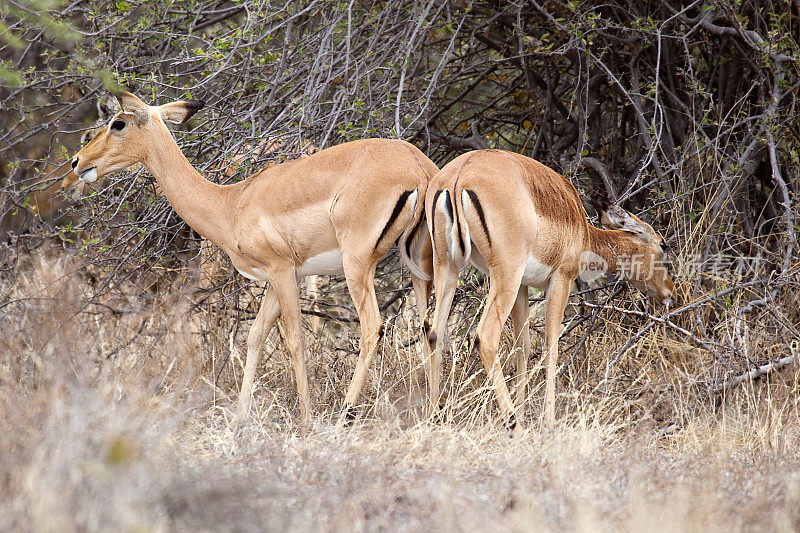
459, 246
408, 208
413, 237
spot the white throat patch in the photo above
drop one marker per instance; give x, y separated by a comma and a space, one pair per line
89, 176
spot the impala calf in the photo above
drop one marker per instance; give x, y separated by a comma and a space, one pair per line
338, 210
524, 225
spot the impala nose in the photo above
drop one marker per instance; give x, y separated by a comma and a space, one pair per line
74, 163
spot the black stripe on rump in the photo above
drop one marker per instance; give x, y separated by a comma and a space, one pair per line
411, 235
401, 202
455, 223
479, 208
433, 212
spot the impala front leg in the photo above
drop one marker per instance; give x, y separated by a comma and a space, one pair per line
312, 289
557, 296
361, 284
262, 325
284, 283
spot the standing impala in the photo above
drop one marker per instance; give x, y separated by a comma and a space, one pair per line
338, 210
524, 225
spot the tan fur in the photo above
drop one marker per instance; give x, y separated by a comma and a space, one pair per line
640, 262
530, 212
338, 198
213, 270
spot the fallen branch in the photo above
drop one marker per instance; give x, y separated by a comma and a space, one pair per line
475, 141
754, 373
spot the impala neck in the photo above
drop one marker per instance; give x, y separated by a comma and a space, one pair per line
611, 245
205, 206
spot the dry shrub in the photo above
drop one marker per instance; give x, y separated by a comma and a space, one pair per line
85, 422
112, 421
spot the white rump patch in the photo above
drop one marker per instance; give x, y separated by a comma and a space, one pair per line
416, 249
327, 263
449, 230
412, 200
449, 221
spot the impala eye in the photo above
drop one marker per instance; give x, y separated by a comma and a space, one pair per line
117, 125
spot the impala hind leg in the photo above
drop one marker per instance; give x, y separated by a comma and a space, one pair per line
361, 284
557, 296
284, 283
522, 345
422, 292
444, 285
262, 325
498, 307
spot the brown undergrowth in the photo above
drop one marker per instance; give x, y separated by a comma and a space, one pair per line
115, 415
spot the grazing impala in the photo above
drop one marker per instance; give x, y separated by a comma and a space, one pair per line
523, 224
339, 210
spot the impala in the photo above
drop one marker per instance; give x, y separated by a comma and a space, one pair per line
524, 225
338, 210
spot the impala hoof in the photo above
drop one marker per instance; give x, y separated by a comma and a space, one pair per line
350, 415
515, 429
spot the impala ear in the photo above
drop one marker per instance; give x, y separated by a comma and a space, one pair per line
131, 104
180, 111
106, 108
614, 217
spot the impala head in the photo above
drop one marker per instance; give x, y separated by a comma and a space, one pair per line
129, 134
105, 110
645, 267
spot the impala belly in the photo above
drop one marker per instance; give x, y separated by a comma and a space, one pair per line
536, 274
326, 263
253, 274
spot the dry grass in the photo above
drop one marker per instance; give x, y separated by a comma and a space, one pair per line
118, 421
